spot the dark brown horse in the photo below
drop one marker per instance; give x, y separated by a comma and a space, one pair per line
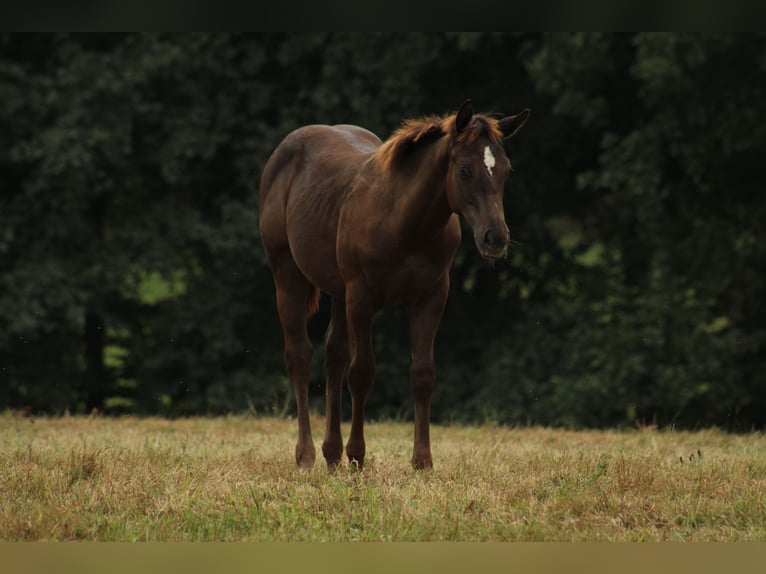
373, 224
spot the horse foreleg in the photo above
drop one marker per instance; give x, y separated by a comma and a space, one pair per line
336, 362
425, 316
292, 293
361, 374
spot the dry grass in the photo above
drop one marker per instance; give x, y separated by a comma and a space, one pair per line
233, 479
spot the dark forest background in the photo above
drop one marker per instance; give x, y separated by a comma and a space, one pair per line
132, 278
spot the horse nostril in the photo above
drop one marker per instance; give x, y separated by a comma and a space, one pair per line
493, 239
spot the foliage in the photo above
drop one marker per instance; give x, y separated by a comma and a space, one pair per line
132, 278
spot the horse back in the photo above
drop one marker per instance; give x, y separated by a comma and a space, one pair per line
312, 153
303, 187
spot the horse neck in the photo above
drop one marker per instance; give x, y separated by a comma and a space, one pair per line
421, 187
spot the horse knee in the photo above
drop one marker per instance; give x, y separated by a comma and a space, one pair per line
422, 378
298, 359
336, 356
361, 375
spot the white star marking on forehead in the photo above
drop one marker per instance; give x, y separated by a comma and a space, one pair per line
489, 160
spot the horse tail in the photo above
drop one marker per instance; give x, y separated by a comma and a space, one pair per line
312, 304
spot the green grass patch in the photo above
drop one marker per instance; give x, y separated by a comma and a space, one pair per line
233, 478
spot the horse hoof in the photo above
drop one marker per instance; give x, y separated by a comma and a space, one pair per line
422, 463
305, 459
332, 454
333, 465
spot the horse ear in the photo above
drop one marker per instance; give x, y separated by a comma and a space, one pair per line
464, 115
512, 124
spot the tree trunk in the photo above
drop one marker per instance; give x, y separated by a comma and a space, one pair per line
95, 373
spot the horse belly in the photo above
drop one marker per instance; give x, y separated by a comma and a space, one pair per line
318, 264
311, 233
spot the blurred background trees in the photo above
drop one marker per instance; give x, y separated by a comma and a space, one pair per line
132, 277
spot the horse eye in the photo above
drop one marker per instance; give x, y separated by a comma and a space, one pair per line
464, 171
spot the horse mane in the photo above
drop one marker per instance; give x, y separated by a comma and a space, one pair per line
418, 130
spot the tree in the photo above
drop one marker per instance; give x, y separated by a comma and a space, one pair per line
132, 278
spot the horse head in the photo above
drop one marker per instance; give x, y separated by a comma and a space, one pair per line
478, 170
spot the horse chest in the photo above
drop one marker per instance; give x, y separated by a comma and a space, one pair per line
398, 267
404, 281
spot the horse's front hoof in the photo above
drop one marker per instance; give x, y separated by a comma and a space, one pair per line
333, 452
333, 463
355, 453
356, 463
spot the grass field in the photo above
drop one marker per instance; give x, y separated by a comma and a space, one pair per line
233, 478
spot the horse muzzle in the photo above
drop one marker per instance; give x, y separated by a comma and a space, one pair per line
493, 243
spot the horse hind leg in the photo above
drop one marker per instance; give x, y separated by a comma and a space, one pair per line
336, 363
361, 372
296, 299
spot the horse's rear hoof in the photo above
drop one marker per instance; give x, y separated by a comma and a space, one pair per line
305, 457
422, 463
